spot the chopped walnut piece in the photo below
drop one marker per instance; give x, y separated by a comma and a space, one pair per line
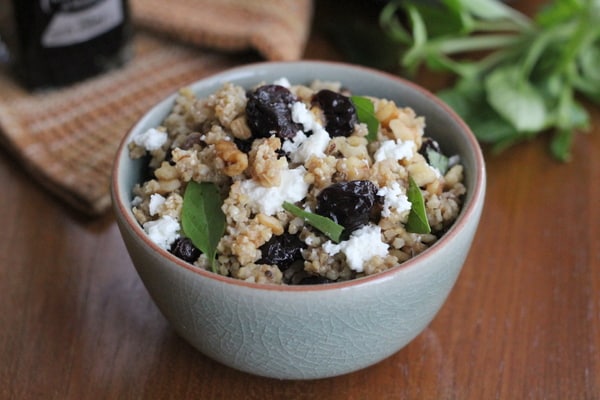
265, 163
235, 161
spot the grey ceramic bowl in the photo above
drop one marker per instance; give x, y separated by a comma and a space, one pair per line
315, 331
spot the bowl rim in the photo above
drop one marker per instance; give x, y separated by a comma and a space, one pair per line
467, 211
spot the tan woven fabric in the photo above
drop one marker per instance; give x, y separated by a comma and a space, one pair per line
67, 138
276, 28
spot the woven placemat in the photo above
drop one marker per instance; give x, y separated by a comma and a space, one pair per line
67, 138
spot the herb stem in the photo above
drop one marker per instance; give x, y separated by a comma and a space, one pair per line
494, 59
499, 25
518, 76
580, 38
474, 43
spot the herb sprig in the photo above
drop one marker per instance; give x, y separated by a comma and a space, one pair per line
202, 219
365, 111
327, 226
417, 218
516, 76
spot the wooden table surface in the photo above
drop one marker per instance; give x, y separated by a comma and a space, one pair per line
523, 321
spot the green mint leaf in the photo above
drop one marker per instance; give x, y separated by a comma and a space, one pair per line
516, 99
494, 10
326, 225
392, 25
202, 219
442, 20
438, 161
365, 111
526, 64
561, 144
468, 99
588, 81
557, 12
417, 218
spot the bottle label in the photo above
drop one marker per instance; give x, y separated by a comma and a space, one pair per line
77, 21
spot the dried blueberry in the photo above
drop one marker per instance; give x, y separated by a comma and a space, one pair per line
268, 112
282, 251
243, 145
340, 114
350, 204
185, 249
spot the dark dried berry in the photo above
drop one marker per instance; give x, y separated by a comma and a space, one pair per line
269, 112
350, 204
282, 251
169, 157
185, 249
429, 144
340, 114
314, 280
243, 145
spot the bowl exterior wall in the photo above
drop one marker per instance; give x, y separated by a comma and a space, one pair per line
299, 334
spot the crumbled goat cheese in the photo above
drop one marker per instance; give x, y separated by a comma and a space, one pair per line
152, 139
314, 145
136, 201
301, 147
453, 160
395, 150
291, 146
156, 201
309, 240
394, 197
283, 82
363, 244
302, 115
163, 231
269, 200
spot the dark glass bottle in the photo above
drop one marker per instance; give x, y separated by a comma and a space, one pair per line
58, 42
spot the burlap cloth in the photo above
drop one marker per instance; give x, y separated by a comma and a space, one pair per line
66, 139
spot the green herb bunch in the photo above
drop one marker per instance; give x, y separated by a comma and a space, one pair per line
516, 76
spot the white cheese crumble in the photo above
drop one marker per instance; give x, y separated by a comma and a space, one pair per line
163, 231
156, 201
394, 197
283, 81
314, 145
453, 160
152, 139
301, 147
309, 240
395, 150
291, 146
136, 201
302, 115
269, 200
363, 244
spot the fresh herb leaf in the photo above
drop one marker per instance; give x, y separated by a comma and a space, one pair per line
438, 161
468, 99
326, 225
515, 99
417, 218
561, 145
202, 219
534, 70
365, 111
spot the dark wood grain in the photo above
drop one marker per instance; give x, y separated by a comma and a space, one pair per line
523, 321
